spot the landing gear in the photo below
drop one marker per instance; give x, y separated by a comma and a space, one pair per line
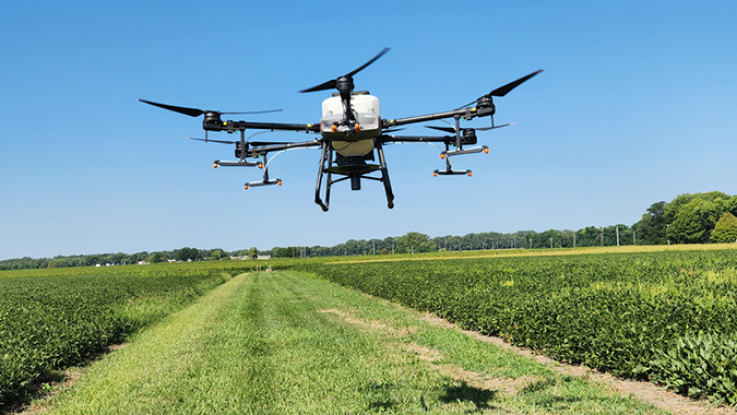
354, 168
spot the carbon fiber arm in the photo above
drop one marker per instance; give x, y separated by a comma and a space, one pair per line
255, 151
448, 139
232, 126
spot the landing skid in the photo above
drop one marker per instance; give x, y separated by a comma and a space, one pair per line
353, 171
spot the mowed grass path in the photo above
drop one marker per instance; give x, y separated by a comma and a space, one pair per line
284, 343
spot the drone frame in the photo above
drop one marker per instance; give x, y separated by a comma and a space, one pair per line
348, 130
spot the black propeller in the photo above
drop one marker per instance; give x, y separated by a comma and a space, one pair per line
196, 112
445, 129
346, 79
253, 143
207, 140
485, 104
503, 90
453, 130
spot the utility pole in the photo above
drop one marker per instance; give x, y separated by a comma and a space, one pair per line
617, 235
574, 240
551, 243
634, 240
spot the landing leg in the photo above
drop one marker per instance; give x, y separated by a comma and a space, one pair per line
319, 177
329, 183
385, 175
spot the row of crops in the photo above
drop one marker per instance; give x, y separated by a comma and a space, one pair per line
662, 316
55, 318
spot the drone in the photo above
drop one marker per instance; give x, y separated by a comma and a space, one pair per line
351, 135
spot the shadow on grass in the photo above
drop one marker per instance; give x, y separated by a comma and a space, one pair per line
381, 406
466, 393
12, 403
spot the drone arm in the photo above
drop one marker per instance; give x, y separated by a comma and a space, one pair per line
449, 139
232, 126
255, 151
467, 113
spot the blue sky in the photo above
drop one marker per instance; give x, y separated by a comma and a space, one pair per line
636, 105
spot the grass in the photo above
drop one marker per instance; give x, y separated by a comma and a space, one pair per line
283, 343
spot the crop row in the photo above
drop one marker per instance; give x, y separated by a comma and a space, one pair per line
51, 319
663, 316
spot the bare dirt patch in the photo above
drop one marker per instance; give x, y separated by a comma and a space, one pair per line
474, 379
431, 356
372, 325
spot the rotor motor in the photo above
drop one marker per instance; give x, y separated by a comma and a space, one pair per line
485, 106
469, 136
239, 149
212, 121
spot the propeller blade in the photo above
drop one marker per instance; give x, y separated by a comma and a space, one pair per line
266, 143
322, 87
446, 129
196, 112
504, 90
333, 83
208, 140
192, 112
382, 53
391, 130
249, 112
494, 127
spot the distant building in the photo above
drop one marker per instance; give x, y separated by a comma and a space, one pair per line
264, 257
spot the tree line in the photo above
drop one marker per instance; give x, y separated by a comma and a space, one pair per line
689, 218
182, 254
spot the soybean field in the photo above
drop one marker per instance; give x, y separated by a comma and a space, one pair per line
662, 316
292, 341
54, 318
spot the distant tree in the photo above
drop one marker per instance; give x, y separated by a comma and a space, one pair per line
650, 230
116, 258
725, 229
415, 242
182, 254
253, 253
695, 219
156, 257
185, 254
216, 255
384, 251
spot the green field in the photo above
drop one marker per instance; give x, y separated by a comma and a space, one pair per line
53, 318
200, 341
280, 343
666, 316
